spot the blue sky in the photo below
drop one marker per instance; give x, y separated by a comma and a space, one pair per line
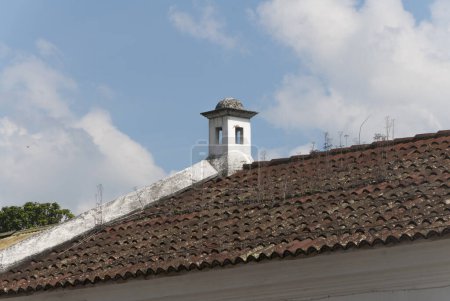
156, 72
125, 80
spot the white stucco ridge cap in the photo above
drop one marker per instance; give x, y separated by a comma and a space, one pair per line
110, 211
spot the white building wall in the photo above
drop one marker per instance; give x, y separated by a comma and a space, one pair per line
217, 148
244, 148
407, 272
228, 143
226, 154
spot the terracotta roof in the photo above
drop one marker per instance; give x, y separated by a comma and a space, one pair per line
362, 196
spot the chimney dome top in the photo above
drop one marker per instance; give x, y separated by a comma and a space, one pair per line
230, 103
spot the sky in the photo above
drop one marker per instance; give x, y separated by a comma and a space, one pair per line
109, 92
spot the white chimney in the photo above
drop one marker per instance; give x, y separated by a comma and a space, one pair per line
230, 143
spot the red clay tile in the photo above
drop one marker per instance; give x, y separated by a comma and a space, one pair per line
381, 193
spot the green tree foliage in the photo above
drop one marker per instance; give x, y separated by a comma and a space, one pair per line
32, 215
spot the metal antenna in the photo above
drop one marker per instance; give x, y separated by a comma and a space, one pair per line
340, 138
99, 205
379, 137
393, 128
327, 142
360, 127
387, 126
139, 196
346, 138
263, 155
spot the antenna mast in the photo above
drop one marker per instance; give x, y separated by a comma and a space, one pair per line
99, 205
360, 127
340, 138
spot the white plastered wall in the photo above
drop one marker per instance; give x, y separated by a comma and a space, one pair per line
232, 124
227, 155
217, 148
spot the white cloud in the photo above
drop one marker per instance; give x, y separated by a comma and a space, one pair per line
368, 61
48, 153
266, 154
47, 49
119, 152
106, 91
32, 85
304, 149
4, 50
208, 26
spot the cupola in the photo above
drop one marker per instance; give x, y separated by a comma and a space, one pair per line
229, 135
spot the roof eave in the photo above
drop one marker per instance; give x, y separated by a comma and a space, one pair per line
229, 112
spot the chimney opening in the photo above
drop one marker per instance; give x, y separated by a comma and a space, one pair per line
239, 134
219, 135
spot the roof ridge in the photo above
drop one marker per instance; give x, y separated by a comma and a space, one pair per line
352, 148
